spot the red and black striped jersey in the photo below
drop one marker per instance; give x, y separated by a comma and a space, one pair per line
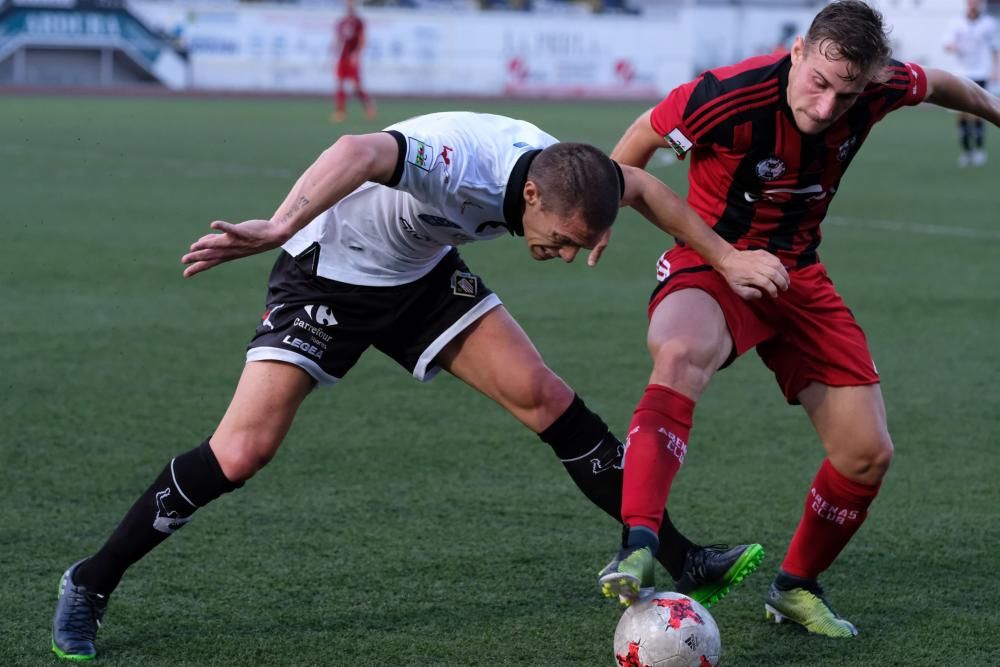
349, 31
758, 180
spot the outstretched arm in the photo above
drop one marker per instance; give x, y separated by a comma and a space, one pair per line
337, 172
961, 94
750, 273
635, 148
638, 143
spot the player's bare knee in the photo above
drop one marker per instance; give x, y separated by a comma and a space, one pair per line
870, 462
682, 366
881, 458
540, 397
241, 455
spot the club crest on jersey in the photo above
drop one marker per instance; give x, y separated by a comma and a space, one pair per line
464, 284
771, 169
846, 148
421, 154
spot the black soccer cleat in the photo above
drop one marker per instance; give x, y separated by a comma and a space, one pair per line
711, 572
77, 618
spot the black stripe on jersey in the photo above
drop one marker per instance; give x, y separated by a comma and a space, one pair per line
725, 102
737, 105
811, 150
711, 89
397, 172
738, 216
773, 133
891, 91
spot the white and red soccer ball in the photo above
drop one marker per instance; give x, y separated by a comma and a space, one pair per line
667, 630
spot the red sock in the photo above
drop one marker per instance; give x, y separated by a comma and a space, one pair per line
835, 509
654, 452
341, 100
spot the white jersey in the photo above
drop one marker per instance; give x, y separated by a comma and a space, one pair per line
450, 187
976, 41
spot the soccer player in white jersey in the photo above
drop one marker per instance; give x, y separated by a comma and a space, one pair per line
368, 259
975, 41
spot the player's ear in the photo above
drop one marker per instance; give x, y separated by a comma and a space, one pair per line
798, 50
531, 193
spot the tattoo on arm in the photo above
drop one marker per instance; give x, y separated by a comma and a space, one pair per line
299, 204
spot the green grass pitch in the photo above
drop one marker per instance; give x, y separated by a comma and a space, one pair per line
421, 525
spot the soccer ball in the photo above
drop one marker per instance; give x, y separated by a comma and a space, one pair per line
667, 630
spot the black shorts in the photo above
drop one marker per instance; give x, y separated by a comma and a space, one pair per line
982, 83
323, 326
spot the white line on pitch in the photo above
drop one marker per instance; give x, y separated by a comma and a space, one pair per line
917, 228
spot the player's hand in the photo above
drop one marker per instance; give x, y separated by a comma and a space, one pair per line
235, 241
752, 273
595, 254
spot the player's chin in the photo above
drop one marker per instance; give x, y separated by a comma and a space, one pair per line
816, 126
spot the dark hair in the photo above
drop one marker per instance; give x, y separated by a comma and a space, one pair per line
577, 177
854, 31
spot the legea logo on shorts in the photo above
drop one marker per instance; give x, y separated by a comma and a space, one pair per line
321, 315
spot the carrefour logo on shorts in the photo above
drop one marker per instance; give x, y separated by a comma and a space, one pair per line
322, 315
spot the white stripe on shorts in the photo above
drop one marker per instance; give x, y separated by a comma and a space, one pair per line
425, 374
279, 354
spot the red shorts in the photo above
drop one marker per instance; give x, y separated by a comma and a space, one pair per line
805, 335
348, 69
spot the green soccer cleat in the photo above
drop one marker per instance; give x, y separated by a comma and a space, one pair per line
78, 615
629, 575
711, 572
805, 604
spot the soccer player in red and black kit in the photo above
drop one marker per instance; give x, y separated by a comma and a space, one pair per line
349, 35
770, 139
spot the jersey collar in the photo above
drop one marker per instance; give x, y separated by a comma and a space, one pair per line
513, 199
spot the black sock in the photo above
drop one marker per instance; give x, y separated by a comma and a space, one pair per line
188, 482
786, 582
978, 132
964, 135
592, 456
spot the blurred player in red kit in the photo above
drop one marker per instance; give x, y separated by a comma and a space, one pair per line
349, 40
770, 139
